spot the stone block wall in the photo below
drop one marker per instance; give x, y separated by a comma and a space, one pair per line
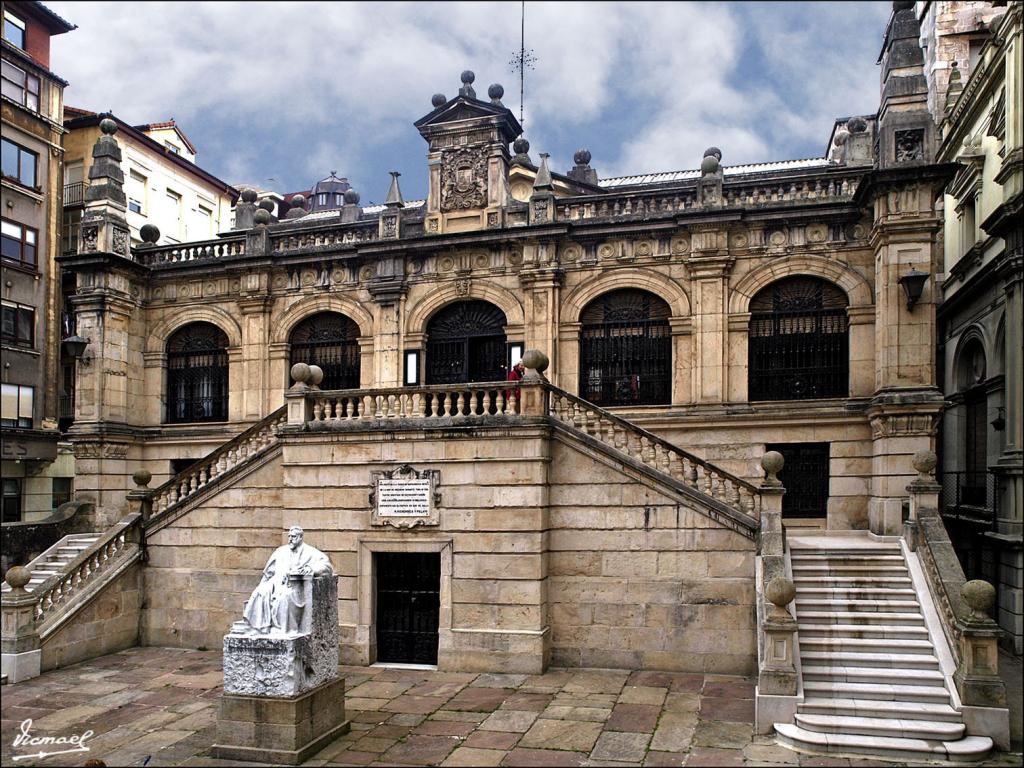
109, 623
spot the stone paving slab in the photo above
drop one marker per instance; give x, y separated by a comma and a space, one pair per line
158, 706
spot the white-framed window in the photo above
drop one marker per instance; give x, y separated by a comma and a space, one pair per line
136, 192
16, 405
19, 85
14, 29
205, 221
173, 147
174, 214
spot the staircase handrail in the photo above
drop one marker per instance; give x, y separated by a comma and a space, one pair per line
657, 453
87, 566
225, 457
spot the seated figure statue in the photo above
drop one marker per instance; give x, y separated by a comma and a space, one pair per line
277, 603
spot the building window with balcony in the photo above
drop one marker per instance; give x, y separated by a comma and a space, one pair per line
18, 243
16, 406
18, 324
18, 164
14, 29
19, 85
11, 509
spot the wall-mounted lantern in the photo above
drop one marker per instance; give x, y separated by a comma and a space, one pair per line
913, 285
74, 347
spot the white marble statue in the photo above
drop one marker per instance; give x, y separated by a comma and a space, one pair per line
278, 602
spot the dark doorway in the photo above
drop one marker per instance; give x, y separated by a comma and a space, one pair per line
466, 342
805, 476
408, 606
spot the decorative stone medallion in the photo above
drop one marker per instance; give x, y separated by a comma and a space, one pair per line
571, 254
405, 497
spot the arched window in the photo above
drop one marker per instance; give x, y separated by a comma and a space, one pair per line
799, 343
330, 340
974, 445
466, 342
626, 349
197, 374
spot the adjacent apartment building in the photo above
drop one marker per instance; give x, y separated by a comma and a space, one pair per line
34, 480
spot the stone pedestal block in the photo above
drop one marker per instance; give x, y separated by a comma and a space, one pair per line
21, 666
885, 517
282, 731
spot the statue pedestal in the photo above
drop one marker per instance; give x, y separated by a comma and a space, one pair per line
283, 731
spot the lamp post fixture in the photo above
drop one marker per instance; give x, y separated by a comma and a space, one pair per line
913, 285
74, 346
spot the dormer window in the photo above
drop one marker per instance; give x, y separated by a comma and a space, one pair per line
172, 148
14, 29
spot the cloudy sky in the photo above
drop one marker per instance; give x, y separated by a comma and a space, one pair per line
279, 94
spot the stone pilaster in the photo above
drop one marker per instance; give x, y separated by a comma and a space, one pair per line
388, 290
709, 268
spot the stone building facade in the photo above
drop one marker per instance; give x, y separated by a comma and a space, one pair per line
978, 47
36, 474
691, 320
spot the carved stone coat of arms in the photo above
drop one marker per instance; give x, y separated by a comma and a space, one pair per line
464, 179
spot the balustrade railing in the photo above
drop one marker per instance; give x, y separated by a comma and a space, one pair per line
324, 238
255, 440
654, 452
59, 590
180, 253
428, 402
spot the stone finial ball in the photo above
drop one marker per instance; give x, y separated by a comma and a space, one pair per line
108, 126
351, 197
316, 375
978, 594
856, 125
150, 233
468, 77
581, 157
713, 151
262, 217
495, 90
841, 138
301, 373
925, 461
536, 360
709, 164
772, 462
267, 205
780, 591
18, 576
438, 99
521, 146
142, 477
248, 195
299, 201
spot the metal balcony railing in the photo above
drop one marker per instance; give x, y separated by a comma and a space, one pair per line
74, 194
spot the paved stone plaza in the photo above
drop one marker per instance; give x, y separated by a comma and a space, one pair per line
161, 703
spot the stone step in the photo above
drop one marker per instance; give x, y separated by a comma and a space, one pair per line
853, 582
860, 606
970, 749
909, 663
856, 593
806, 558
843, 689
877, 726
900, 710
862, 631
870, 645
870, 571
883, 676
856, 617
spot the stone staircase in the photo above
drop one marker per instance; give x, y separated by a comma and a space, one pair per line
56, 559
874, 681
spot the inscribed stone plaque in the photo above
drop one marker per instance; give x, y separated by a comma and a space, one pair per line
404, 497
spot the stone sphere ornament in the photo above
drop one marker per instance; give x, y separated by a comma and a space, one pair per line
772, 463
248, 195
142, 477
856, 125
535, 360
316, 375
17, 577
351, 197
709, 165
979, 596
713, 151
495, 91
301, 373
582, 157
108, 126
924, 462
521, 146
438, 100
262, 217
780, 591
467, 77
150, 233
299, 201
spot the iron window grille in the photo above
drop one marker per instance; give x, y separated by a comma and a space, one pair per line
197, 374
466, 342
18, 164
17, 325
331, 341
805, 476
798, 341
626, 350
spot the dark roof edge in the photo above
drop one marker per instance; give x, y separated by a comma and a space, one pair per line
29, 61
57, 24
